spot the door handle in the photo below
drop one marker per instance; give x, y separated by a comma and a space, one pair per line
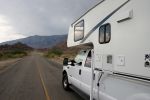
79, 71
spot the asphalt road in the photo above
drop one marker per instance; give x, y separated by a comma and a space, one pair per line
34, 78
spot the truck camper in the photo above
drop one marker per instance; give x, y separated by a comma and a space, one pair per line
117, 67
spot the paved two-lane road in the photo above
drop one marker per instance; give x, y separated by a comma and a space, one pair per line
34, 78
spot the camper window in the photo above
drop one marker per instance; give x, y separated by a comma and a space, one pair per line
105, 33
102, 32
79, 31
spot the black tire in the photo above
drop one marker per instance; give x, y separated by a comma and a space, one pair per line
65, 83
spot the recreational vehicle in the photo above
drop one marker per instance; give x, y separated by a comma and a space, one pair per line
117, 67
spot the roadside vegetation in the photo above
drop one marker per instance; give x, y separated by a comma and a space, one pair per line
54, 52
17, 50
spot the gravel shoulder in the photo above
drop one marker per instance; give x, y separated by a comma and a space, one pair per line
6, 64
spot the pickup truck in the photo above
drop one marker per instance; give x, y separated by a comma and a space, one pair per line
77, 72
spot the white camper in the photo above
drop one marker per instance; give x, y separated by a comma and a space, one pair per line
118, 33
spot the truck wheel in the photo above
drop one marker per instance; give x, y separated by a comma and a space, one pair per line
65, 82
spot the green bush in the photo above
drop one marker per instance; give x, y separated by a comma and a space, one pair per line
57, 52
12, 54
50, 55
1, 55
54, 53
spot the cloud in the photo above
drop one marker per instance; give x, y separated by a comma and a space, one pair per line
7, 37
42, 17
5, 27
7, 31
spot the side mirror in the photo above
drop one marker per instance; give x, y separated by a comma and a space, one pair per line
65, 62
72, 62
80, 63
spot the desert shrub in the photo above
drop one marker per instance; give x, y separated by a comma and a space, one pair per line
1, 54
57, 52
54, 53
16, 52
12, 54
51, 55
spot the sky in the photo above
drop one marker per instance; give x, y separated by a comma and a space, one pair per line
22, 18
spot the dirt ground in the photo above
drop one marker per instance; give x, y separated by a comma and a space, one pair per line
57, 60
5, 63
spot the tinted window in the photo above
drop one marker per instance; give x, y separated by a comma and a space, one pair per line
105, 33
79, 57
107, 29
102, 36
88, 60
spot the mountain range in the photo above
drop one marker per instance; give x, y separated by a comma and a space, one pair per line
39, 42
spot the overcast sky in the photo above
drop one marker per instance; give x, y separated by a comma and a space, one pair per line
22, 18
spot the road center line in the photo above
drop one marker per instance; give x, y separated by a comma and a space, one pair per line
43, 85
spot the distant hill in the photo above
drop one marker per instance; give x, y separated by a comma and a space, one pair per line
60, 51
16, 50
67, 52
39, 42
16, 46
63, 46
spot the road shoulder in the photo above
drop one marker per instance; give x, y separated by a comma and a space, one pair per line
7, 64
